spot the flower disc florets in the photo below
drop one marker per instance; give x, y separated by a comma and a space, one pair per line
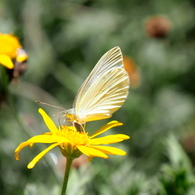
76, 138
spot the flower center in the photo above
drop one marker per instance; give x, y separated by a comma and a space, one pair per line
74, 136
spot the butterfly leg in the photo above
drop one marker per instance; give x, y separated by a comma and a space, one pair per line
59, 120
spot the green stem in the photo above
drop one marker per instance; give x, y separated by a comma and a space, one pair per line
66, 175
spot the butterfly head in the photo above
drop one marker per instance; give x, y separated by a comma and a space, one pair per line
72, 116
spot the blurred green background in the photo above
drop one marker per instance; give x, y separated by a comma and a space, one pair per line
64, 41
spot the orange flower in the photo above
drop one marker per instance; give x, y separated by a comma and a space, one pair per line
132, 70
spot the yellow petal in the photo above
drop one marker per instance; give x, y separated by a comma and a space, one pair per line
110, 150
91, 152
55, 138
21, 55
106, 127
109, 139
19, 148
47, 133
60, 139
40, 155
42, 139
9, 45
50, 124
47, 138
31, 141
6, 61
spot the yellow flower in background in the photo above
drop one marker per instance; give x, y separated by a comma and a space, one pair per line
73, 143
10, 49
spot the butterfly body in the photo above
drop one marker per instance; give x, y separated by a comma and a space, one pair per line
82, 118
103, 92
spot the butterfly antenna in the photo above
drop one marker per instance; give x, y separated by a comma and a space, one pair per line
49, 105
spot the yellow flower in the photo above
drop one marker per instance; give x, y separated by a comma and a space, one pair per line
9, 49
73, 143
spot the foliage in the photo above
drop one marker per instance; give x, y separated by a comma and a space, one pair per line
64, 40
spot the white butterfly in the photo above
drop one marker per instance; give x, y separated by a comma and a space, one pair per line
103, 92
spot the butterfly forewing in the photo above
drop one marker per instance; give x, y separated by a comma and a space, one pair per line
111, 59
110, 98
105, 89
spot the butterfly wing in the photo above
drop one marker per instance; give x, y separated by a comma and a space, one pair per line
105, 89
